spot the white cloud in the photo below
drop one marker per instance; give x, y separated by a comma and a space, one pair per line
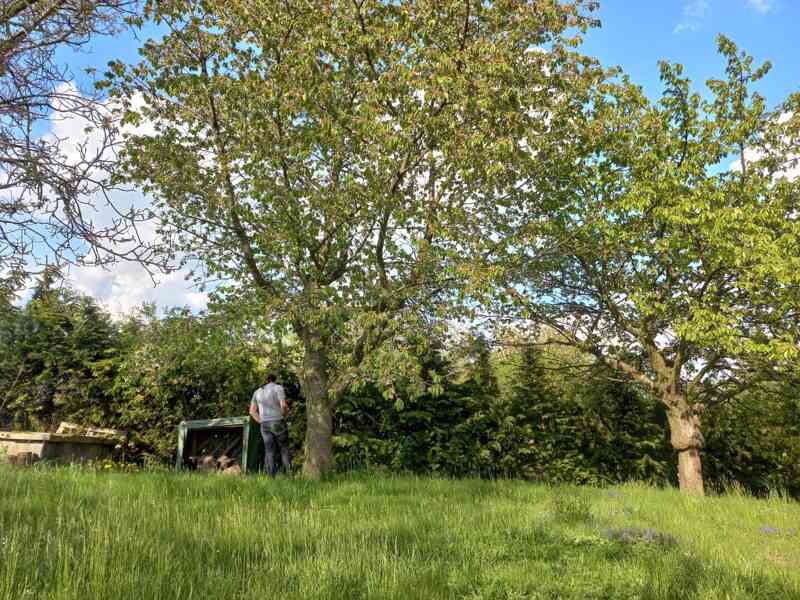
791, 166
125, 285
692, 16
680, 27
761, 6
698, 9
77, 133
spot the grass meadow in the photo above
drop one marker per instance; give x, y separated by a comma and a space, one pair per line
70, 533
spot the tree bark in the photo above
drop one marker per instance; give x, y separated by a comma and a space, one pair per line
687, 440
690, 472
319, 409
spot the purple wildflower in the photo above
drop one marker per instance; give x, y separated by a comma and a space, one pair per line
770, 530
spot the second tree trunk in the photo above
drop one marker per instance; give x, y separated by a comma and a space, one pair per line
319, 410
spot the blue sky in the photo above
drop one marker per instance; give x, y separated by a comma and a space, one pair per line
635, 35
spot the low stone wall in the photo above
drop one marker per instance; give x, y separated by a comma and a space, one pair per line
55, 447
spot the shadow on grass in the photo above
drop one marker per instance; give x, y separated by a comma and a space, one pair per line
402, 561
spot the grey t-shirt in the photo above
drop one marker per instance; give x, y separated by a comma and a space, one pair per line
269, 398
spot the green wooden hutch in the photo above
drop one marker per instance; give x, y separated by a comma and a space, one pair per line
238, 437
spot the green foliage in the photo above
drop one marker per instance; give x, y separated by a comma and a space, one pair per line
571, 506
669, 250
58, 360
496, 413
754, 441
532, 424
318, 156
180, 367
66, 360
351, 173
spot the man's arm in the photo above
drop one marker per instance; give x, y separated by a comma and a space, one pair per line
254, 412
282, 400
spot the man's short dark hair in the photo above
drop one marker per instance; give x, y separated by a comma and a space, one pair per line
271, 378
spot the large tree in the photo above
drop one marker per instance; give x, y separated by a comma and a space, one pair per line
314, 155
671, 252
53, 185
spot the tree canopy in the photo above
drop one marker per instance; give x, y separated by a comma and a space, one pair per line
672, 252
315, 156
356, 174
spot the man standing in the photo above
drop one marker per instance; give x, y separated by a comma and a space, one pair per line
269, 408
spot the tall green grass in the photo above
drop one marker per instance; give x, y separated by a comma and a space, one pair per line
73, 534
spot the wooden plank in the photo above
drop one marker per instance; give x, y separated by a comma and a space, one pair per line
181, 443
10, 448
39, 437
211, 423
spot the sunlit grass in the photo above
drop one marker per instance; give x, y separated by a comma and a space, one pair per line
70, 533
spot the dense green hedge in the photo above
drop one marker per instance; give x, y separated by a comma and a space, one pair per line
755, 440
499, 414
539, 427
58, 361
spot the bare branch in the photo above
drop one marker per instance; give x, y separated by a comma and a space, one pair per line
51, 188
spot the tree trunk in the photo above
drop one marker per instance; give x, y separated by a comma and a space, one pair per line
690, 472
319, 409
687, 439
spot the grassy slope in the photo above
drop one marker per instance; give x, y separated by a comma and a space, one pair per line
76, 534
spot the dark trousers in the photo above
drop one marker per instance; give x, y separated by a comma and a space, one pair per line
276, 438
